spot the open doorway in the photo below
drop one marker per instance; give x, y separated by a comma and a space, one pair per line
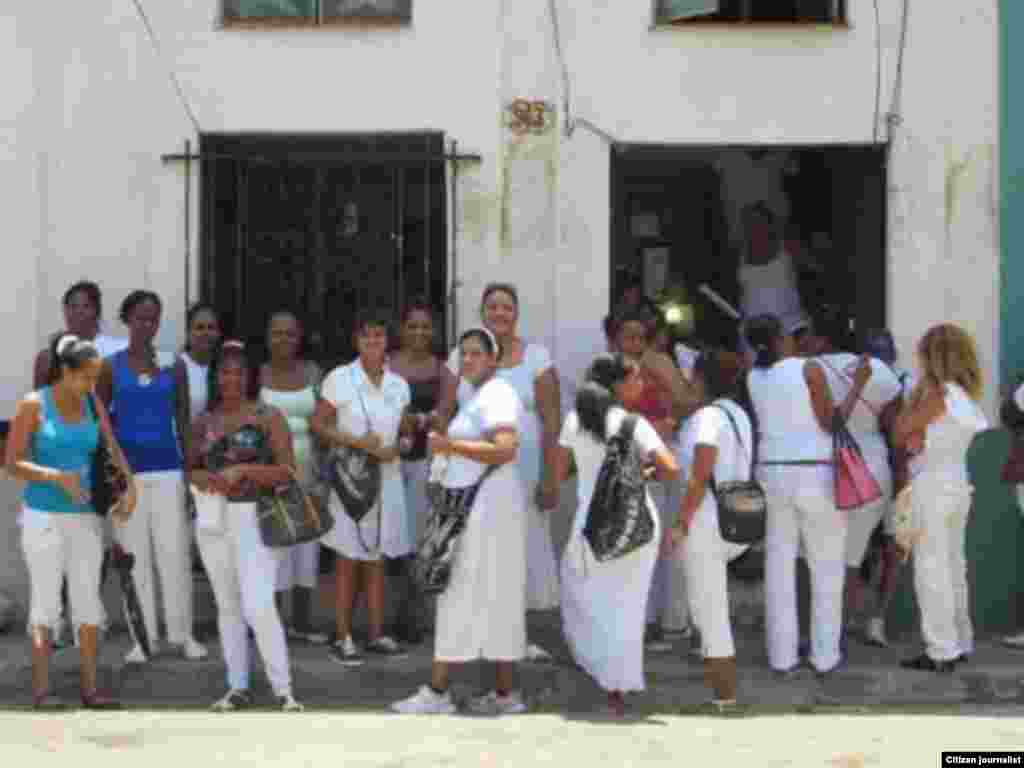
682, 219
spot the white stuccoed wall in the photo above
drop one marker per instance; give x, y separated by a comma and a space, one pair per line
89, 109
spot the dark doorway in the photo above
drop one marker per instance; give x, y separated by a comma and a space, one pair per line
325, 225
674, 228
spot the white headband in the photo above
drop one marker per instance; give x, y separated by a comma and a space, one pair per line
490, 336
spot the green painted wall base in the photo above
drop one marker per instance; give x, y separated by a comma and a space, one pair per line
995, 534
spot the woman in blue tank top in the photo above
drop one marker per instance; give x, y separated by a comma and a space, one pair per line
149, 404
53, 438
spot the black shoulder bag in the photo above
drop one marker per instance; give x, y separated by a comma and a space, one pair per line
742, 504
353, 474
109, 482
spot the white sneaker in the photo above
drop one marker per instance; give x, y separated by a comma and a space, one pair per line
874, 632
537, 654
493, 704
194, 651
232, 701
289, 704
425, 702
1014, 641
136, 656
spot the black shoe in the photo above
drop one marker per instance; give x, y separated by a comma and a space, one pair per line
345, 653
963, 658
385, 647
925, 663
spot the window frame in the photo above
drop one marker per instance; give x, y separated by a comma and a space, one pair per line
842, 20
317, 20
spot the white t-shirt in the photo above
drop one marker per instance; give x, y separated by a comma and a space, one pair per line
493, 406
881, 389
711, 426
109, 345
1018, 397
536, 360
771, 289
349, 390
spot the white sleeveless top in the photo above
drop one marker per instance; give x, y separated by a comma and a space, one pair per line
198, 393
787, 427
949, 437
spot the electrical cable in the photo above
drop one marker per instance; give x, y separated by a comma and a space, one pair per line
878, 73
170, 70
894, 117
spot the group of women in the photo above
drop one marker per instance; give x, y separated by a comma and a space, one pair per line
488, 418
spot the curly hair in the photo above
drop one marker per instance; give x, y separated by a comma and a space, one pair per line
948, 354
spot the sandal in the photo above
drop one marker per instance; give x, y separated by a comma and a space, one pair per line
96, 700
46, 701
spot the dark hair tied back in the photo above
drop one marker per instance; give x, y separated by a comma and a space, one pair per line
227, 351
134, 299
763, 333
597, 394
70, 352
91, 291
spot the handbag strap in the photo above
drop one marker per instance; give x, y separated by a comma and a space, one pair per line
845, 376
739, 439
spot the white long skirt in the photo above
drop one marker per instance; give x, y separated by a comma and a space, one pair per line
604, 606
482, 613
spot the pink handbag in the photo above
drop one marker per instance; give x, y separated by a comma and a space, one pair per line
855, 486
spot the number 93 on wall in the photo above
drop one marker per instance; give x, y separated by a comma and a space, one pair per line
524, 116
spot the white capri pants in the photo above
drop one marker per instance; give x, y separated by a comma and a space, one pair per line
705, 556
243, 574
941, 510
800, 508
55, 545
861, 523
299, 566
667, 601
157, 534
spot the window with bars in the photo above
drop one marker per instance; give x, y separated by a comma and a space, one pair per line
316, 12
747, 11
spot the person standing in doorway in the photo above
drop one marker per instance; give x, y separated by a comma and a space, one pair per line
604, 604
150, 407
793, 412
55, 432
291, 384
362, 405
528, 367
941, 417
427, 377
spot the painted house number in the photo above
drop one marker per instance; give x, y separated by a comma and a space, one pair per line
525, 116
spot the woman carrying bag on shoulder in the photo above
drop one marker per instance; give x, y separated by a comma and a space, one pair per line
53, 437
362, 408
482, 612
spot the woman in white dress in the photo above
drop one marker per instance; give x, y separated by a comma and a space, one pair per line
363, 405
938, 424
203, 326
291, 383
604, 604
717, 443
481, 615
528, 367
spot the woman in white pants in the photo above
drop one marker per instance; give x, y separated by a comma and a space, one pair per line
793, 412
55, 432
941, 418
291, 384
718, 444
603, 603
149, 403
241, 448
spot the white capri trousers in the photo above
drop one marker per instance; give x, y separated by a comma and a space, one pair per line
56, 545
243, 575
157, 534
705, 557
667, 602
941, 510
299, 566
414, 479
861, 523
800, 508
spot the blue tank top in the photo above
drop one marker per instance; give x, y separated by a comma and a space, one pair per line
143, 414
67, 447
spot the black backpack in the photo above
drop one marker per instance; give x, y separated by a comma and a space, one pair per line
619, 519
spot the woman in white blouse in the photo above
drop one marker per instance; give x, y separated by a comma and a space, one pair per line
604, 604
481, 615
531, 372
717, 443
362, 405
938, 424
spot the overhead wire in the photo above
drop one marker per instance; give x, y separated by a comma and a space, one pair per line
878, 73
175, 82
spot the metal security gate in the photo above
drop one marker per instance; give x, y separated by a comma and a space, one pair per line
322, 225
